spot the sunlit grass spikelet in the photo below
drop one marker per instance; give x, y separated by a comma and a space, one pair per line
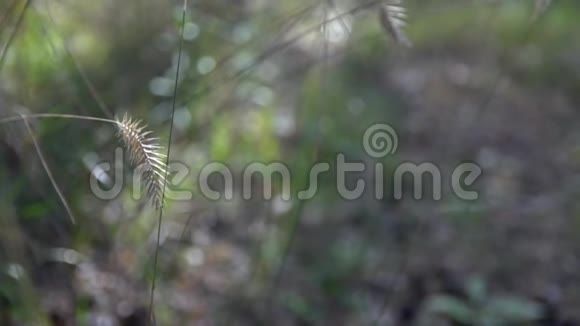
392, 15
145, 156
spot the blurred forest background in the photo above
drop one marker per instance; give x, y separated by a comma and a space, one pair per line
491, 82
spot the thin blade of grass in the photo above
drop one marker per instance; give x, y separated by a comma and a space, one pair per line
160, 219
79, 69
47, 170
4, 18
14, 32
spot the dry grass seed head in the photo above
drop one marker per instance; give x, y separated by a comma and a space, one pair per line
145, 156
392, 16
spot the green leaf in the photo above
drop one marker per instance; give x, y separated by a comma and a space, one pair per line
476, 290
452, 308
514, 309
